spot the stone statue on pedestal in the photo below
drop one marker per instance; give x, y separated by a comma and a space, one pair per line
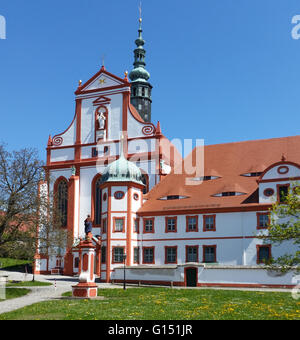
88, 227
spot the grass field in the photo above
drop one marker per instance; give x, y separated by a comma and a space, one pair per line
13, 264
13, 293
166, 304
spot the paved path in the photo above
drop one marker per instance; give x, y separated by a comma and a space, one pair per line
61, 284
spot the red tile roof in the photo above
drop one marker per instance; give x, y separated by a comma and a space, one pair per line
229, 161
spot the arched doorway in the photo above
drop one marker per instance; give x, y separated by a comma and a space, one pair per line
191, 276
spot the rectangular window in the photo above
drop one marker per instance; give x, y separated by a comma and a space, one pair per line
136, 255
104, 226
119, 224
106, 151
136, 225
209, 223
148, 225
209, 254
192, 254
171, 224
191, 223
282, 192
94, 152
263, 220
148, 255
103, 254
170, 254
118, 253
263, 253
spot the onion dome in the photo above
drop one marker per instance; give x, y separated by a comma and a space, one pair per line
122, 170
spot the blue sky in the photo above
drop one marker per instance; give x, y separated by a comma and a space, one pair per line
222, 70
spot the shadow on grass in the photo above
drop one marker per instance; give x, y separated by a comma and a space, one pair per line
14, 265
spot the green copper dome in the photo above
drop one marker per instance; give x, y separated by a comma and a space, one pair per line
122, 170
139, 74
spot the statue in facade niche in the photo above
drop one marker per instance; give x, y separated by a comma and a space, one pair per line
101, 121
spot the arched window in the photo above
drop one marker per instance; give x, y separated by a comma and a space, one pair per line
97, 202
62, 201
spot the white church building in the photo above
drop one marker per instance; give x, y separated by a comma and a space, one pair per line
168, 226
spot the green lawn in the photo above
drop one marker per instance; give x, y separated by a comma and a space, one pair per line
13, 293
13, 264
166, 304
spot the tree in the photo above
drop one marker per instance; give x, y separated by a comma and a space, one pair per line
28, 219
285, 226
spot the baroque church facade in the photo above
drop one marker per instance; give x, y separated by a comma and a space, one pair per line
166, 226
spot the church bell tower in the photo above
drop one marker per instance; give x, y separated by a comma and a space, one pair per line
139, 76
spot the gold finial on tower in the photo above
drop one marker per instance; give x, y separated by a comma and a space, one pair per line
80, 83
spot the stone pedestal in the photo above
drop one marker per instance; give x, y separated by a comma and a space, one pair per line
86, 288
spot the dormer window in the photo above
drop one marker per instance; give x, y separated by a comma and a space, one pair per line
204, 178
172, 197
252, 174
229, 193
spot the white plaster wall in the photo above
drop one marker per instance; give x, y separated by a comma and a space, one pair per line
86, 151
135, 127
114, 118
243, 276
235, 238
41, 265
86, 177
273, 173
55, 174
141, 145
104, 203
227, 225
87, 121
119, 205
76, 208
206, 275
109, 82
150, 273
69, 136
61, 155
273, 185
135, 205
118, 235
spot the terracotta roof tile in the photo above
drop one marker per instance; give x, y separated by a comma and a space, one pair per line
229, 162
